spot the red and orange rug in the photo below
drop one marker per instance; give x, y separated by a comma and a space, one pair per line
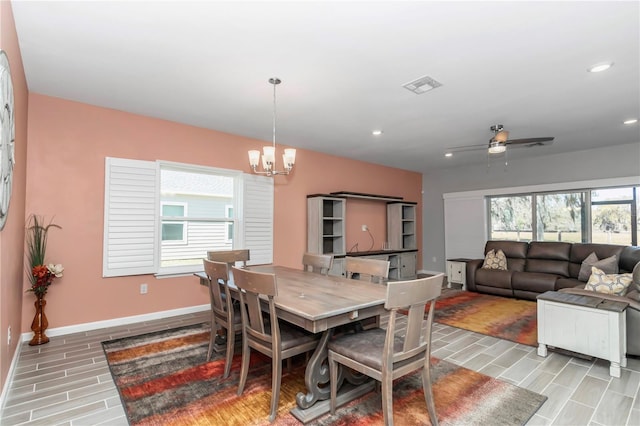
163, 379
502, 317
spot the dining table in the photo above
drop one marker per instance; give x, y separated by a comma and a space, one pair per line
319, 304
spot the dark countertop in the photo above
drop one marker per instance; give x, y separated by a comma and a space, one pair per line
373, 253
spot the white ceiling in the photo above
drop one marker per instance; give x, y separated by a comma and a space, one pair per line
343, 64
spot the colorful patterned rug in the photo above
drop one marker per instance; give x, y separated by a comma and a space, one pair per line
502, 317
163, 379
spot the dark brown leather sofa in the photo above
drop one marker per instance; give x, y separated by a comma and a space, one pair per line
536, 267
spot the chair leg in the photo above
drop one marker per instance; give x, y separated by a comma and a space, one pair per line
333, 380
244, 370
231, 341
276, 378
387, 399
428, 393
212, 338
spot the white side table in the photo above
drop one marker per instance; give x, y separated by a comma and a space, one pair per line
457, 272
588, 325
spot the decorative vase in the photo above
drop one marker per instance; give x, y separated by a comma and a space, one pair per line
40, 323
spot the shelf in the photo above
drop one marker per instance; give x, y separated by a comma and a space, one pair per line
347, 194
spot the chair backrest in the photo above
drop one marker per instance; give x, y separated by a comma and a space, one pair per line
318, 263
413, 295
230, 256
252, 284
218, 275
375, 270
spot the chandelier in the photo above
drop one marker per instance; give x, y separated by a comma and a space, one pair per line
269, 152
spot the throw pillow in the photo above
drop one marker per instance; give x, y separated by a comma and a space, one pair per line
600, 282
495, 260
635, 275
608, 265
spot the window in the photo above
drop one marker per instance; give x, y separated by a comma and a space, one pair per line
229, 214
173, 232
162, 217
511, 218
194, 213
559, 217
614, 218
607, 215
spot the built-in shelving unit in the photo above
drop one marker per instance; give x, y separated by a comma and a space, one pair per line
401, 225
326, 225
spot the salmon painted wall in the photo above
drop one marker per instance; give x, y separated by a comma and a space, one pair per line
12, 235
68, 143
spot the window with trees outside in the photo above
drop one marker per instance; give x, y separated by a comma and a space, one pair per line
606, 215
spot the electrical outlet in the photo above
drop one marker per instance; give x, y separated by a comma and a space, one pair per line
9, 336
143, 289
365, 228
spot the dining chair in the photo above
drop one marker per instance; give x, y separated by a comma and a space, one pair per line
224, 313
230, 256
375, 270
278, 340
318, 263
388, 355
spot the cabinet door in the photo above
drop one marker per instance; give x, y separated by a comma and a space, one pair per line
408, 265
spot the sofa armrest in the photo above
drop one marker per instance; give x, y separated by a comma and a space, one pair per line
629, 298
472, 267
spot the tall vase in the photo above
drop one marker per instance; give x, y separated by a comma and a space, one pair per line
40, 323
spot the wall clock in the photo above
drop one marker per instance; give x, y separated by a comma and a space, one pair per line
7, 137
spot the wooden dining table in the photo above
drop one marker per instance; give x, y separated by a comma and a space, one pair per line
319, 304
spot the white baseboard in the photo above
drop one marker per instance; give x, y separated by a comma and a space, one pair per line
78, 328
12, 371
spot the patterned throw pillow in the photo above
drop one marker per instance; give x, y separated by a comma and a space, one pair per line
495, 260
600, 282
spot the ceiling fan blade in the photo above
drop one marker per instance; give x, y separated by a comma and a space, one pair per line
466, 148
529, 141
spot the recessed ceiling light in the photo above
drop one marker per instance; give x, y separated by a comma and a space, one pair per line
630, 121
376, 132
602, 66
449, 154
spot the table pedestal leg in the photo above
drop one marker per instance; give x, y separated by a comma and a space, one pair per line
315, 402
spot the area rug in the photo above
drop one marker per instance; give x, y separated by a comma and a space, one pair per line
163, 379
502, 317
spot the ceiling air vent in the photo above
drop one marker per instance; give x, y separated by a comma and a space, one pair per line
421, 85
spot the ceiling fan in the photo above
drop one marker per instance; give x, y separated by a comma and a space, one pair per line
500, 140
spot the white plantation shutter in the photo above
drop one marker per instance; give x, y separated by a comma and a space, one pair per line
257, 218
130, 218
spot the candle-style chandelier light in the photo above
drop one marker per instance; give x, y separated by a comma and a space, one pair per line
269, 152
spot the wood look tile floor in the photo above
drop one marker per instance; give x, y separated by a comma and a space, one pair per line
67, 381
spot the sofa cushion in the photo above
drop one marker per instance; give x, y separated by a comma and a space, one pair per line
556, 267
511, 249
494, 278
495, 260
533, 281
549, 250
569, 283
579, 251
600, 282
629, 257
609, 265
